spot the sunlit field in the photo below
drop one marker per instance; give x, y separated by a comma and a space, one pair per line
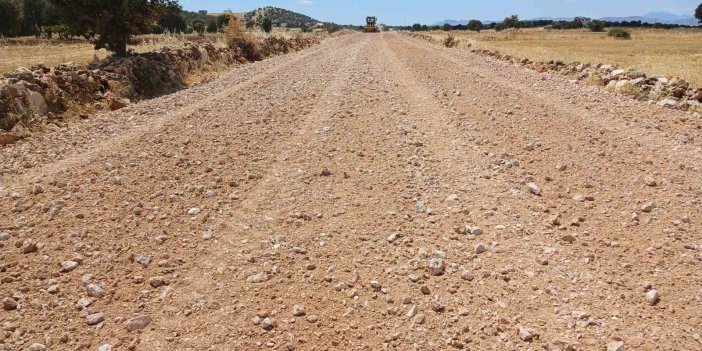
28, 51
676, 52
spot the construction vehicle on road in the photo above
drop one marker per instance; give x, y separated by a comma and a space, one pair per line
371, 25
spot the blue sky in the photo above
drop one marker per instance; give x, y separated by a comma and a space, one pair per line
396, 12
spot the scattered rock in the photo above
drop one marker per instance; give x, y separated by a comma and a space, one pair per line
9, 304
480, 248
648, 207
525, 334
652, 297
138, 323
95, 318
141, 259
616, 345
436, 266
534, 189
298, 310
94, 291
67, 266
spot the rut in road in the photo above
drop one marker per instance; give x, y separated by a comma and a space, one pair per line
371, 192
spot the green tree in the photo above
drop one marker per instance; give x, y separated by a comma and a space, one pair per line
222, 21
511, 22
267, 25
446, 27
212, 26
110, 24
9, 18
199, 26
173, 22
416, 27
33, 16
475, 25
698, 13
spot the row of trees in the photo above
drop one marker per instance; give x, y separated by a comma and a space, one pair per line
109, 24
514, 22
27, 17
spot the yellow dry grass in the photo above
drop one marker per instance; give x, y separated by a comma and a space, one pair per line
26, 52
675, 52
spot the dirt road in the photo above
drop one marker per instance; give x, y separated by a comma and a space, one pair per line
373, 192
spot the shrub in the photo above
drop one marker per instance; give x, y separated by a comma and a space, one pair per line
238, 36
450, 41
267, 25
596, 26
446, 27
619, 33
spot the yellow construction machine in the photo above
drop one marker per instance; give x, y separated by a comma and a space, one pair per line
371, 25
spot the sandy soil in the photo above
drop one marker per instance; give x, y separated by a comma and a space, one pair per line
373, 192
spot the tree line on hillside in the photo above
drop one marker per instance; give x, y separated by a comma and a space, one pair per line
514, 22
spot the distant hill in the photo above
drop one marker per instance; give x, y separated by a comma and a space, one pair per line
280, 17
657, 17
652, 17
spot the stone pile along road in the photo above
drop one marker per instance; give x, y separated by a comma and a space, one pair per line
373, 192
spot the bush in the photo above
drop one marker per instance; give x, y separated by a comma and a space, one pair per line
450, 41
596, 26
446, 27
238, 36
619, 33
267, 25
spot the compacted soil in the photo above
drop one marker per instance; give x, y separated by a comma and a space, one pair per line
373, 192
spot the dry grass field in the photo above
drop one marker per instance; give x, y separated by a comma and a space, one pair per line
26, 52
654, 51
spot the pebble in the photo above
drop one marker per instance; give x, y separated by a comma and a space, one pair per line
412, 312
157, 282
437, 266
53, 289
475, 230
648, 207
534, 189
524, 334
267, 323
207, 235
95, 318
67, 266
299, 250
36, 347
650, 181
37, 189
393, 237
375, 285
652, 297
94, 291
617, 345
298, 310
84, 302
467, 275
480, 248
194, 211
105, 347
138, 323
141, 259
9, 304
161, 239
257, 278
312, 318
